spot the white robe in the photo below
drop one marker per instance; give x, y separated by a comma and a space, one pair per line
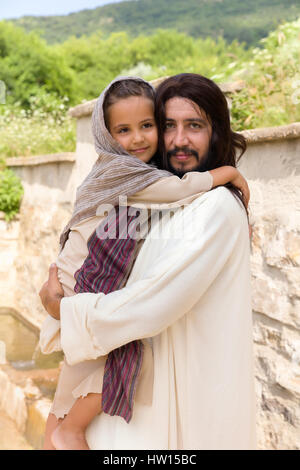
192, 296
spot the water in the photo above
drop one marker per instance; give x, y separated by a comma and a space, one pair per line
18, 344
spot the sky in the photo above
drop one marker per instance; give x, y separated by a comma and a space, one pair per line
17, 8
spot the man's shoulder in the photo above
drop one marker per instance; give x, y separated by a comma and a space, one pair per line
221, 201
223, 194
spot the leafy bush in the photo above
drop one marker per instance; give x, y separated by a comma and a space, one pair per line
43, 128
272, 79
35, 121
28, 66
11, 192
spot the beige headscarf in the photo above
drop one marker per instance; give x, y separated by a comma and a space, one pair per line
115, 173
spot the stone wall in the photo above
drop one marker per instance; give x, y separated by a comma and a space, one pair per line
272, 167
275, 266
49, 185
271, 164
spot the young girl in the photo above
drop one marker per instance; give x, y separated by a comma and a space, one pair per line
126, 140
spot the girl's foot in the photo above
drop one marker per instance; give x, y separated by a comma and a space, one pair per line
69, 439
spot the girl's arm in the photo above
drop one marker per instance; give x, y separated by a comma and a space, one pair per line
229, 174
173, 189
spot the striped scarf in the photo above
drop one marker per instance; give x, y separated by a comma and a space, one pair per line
106, 269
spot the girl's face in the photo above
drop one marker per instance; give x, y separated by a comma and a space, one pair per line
131, 123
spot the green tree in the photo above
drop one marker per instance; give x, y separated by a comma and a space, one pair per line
29, 67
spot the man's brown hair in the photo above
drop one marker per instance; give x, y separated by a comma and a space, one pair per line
226, 146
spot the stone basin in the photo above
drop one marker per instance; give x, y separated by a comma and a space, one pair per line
19, 345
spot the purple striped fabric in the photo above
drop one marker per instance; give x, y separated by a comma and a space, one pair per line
106, 269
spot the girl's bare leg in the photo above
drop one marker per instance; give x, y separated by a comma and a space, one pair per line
52, 423
70, 433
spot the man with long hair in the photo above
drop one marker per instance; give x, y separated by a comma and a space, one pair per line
194, 123
189, 293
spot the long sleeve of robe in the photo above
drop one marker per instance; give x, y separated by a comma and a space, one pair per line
191, 295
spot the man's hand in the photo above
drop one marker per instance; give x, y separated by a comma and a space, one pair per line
51, 293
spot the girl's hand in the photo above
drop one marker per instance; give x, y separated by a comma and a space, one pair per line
51, 293
240, 182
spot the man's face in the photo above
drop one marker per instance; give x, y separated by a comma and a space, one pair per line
187, 135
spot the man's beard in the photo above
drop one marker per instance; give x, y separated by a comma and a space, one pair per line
202, 165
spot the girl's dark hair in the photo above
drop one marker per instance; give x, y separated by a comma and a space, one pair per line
125, 89
224, 144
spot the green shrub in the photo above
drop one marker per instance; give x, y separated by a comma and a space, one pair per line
272, 78
11, 192
29, 66
43, 128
